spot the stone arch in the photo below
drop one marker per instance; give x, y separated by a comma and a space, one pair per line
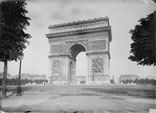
69, 39
83, 43
75, 49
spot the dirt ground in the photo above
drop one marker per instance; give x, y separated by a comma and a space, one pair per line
78, 99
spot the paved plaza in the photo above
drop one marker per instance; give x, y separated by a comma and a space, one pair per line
86, 99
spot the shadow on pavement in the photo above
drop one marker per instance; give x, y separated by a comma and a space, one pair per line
109, 91
11, 90
151, 94
24, 89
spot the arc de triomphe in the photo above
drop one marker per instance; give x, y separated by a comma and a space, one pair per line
67, 40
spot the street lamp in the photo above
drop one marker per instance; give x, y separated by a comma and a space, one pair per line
19, 89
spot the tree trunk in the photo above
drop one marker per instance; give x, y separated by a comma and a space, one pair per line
4, 79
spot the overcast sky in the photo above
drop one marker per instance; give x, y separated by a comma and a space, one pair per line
123, 16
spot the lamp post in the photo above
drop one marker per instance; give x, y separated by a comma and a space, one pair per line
19, 89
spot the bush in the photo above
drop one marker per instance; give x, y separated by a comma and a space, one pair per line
82, 82
140, 81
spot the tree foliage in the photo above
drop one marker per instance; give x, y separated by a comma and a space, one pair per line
145, 81
14, 81
13, 23
144, 41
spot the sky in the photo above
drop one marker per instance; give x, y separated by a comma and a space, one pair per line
123, 16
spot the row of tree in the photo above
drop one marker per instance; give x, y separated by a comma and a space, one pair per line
140, 81
15, 81
25, 76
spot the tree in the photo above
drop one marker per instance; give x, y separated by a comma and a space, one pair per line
143, 48
13, 37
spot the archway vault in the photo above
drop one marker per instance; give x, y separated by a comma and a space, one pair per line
68, 40
75, 50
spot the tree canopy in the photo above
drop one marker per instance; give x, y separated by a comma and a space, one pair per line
143, 48
13, 23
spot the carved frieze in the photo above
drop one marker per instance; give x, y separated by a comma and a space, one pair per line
59, 48
79, 25
98, 45
97, 65
57, 67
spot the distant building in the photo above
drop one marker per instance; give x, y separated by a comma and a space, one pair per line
128, 77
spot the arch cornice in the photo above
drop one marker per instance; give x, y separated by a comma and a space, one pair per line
80, 32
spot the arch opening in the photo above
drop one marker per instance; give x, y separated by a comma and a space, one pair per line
78, 64
81, 64
75, 50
